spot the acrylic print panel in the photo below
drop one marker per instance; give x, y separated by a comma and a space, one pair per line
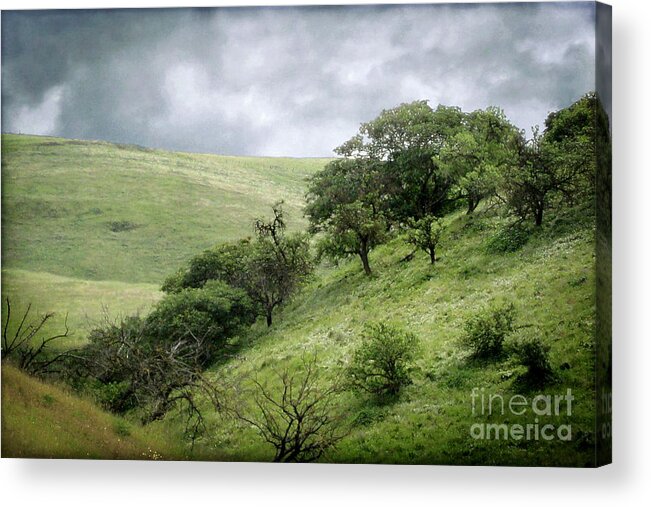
343, 234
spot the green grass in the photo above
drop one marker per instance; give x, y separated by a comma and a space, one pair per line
90, 227
85, 303
41, 420
61, 198
100, 211
551, 282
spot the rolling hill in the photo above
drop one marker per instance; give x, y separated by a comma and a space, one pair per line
86, 224
89, 225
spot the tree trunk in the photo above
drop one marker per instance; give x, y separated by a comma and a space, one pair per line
432, 256
363, 254
269, 318
472, 205
539, 216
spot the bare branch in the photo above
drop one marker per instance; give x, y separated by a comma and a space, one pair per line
296, 417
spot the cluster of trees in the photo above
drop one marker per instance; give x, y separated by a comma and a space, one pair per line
150, 365
412, 164
269, 269
403, 170
155, 363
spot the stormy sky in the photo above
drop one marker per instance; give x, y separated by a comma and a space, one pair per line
283, 81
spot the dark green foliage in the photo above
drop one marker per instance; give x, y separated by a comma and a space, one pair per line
558, 167
534, 354
573, 135
353, 230
425, 234
278, 264
270, 269
113, 396
381, 364
532, 186
175, 282
225, 262
343, 203
122, 226
478, 155
391, 173
127, 367
416, 185
210, 314
369, 415
155, 363
486, 330
509, 239
404, 145
105, 362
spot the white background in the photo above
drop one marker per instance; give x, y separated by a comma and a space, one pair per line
626, 482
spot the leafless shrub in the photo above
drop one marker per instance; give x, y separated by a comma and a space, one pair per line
295, 415
156, 376
28, 347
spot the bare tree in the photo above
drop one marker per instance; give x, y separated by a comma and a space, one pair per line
28, 345
159, 375
296, 415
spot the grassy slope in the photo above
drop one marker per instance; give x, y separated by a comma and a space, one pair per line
551, 280
43, 421
85, 302
61, 197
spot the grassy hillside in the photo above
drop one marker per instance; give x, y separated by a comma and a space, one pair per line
84, 302
43, 421
89, 224
61, 198
551, 282
100, 211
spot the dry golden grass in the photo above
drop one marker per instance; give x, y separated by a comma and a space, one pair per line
44, 421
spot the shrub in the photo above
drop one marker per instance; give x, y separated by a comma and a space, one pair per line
126, 369
117, 397
122, 226
105, 365
485, 331
174, 283
297, 415
271, 269
208, 315
381, 364
226, 262
509, 239
534, 354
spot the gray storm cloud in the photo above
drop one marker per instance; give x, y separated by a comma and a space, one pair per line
293, 81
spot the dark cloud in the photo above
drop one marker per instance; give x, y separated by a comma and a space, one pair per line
292, 81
